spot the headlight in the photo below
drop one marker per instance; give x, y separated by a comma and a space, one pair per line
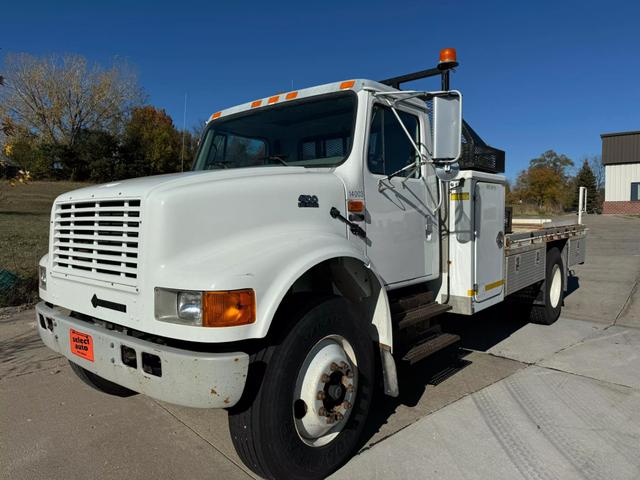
190, 307
228, 308
42, 278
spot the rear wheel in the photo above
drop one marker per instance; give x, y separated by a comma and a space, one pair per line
312, 402
99, 383
554, 292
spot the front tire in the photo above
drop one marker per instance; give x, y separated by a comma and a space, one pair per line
311, 404
98, 383
554, 292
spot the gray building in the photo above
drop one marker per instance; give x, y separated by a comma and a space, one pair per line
621, 158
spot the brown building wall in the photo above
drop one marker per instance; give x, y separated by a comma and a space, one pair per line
623, 147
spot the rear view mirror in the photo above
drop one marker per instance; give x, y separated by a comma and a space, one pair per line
447, 126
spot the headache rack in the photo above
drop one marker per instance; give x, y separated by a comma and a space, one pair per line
477, 155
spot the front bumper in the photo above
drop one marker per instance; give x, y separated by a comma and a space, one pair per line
192, 379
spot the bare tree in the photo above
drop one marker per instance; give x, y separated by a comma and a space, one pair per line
595, 162
55, 98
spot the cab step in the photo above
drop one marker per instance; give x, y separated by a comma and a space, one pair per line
409, 318
402, 304
430, 346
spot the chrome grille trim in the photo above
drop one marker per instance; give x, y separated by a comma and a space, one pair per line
98, 239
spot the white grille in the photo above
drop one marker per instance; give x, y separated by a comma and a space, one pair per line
98, 239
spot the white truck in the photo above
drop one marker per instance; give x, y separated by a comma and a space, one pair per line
311, 250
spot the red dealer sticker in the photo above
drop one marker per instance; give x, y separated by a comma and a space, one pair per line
81, 344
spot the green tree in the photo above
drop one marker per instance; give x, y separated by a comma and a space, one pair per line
545, 184
151, 145
542, 186
556, 162
586, 178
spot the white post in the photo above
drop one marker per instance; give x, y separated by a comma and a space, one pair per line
582, 203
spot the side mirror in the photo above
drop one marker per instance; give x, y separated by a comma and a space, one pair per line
447, 126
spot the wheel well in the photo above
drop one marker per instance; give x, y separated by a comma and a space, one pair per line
559, 244
350, 278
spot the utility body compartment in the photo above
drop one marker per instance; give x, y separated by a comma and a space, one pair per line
525, 253
475, 242
485, 264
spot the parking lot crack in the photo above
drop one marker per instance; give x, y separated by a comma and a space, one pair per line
633, 291
622, 385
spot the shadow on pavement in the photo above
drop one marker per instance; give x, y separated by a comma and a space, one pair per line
478, 333
573, 284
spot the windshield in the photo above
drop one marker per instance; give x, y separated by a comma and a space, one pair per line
313, 132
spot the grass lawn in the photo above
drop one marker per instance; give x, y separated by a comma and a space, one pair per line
24, 233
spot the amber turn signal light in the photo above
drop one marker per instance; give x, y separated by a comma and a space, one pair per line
355, 206
228, 308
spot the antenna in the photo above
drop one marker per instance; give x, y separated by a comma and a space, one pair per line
184, 129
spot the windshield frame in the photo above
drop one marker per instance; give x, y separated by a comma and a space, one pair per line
298, 101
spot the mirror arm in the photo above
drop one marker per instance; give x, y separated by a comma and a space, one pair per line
413, 165
406, 132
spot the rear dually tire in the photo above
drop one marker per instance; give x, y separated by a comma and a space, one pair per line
554, 290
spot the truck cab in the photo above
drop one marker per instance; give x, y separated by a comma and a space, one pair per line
318, 235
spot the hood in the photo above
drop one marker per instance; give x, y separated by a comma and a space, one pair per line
142, 187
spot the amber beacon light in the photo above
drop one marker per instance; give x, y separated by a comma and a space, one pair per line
448, 58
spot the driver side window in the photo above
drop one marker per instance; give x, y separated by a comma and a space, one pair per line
389, 148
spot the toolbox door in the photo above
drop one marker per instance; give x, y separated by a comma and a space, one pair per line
489, 240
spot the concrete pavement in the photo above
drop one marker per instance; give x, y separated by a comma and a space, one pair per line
524, 401
571, 411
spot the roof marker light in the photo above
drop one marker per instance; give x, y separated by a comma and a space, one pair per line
291, 95
273, 99
347, 84
255, 104
215, 115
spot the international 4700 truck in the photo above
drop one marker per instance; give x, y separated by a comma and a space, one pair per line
312, 249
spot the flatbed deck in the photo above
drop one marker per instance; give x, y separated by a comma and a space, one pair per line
543, 234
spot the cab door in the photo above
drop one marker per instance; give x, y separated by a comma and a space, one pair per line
402, 237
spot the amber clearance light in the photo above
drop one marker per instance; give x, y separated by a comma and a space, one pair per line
228, 308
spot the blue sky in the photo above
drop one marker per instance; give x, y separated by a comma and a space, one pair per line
534, 75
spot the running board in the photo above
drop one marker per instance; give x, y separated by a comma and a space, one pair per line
429, 347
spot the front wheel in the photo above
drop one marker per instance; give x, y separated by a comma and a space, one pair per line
99, 383
313, 399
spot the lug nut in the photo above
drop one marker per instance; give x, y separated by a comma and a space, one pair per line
343, 365
324, 378
346, 405
350, 388
322, 412
333, 367
339, 416
349, 373
321, 395
330, 420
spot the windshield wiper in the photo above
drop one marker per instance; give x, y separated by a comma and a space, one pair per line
223, 164
279, 158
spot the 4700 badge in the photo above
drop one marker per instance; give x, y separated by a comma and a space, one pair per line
81, 344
